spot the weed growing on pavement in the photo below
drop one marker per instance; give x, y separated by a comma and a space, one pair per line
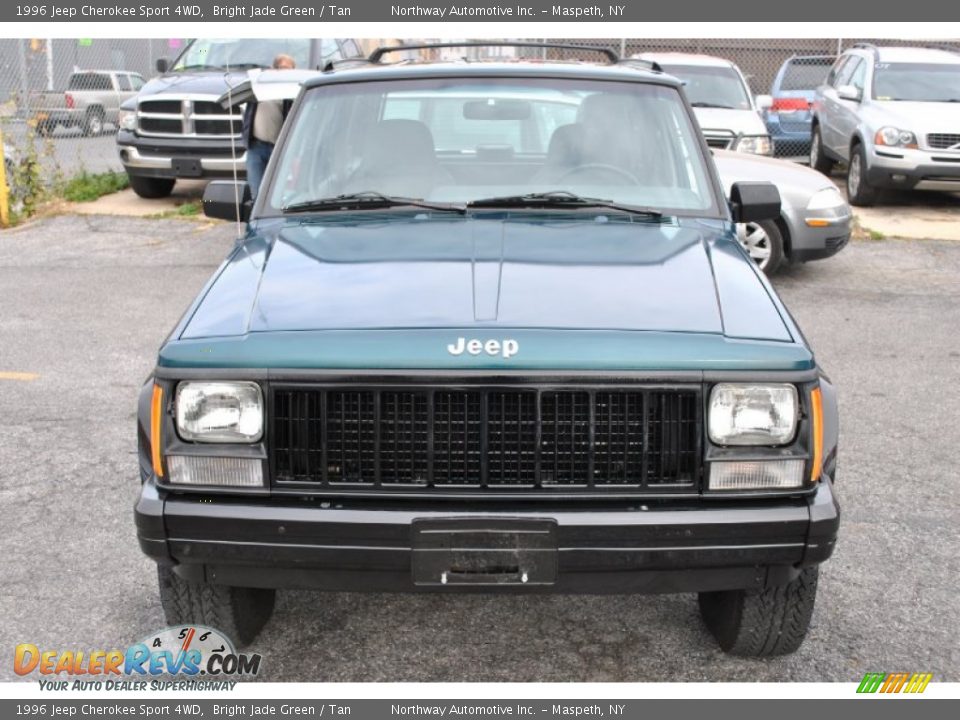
86, 186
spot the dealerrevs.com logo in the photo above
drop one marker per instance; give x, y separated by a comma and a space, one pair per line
186, 651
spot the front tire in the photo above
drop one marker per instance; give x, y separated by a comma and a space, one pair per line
763, 241
93, 122
151, 188
240, 613
762, 624
859, 190
818, 160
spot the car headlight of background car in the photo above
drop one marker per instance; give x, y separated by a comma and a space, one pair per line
127, 119
895, 137
742, 414
754, 144
826, 207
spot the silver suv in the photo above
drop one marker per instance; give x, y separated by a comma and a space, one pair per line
893, 115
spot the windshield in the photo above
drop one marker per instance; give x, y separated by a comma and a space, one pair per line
917, 82
712, 86
226, 53
807, 73
463, 140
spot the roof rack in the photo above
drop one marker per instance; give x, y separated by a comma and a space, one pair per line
378, 54
652, 65
867, 46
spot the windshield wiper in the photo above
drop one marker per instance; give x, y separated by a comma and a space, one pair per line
559, 198
701, 104
368, 200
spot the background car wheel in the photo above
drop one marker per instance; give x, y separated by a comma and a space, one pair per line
859, 191
771, 622
240, 613
763, 241
151, 188
93, 122
819, 161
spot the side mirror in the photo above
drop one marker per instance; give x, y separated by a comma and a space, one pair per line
764, 102
848, 92
220, 200
162, 65
753, 201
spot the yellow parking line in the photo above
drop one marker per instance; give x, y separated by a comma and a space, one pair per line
25, 376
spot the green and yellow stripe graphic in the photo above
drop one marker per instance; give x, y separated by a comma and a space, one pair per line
894, 682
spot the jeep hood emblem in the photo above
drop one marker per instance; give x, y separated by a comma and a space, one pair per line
507, 348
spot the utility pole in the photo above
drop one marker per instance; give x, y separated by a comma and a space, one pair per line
49, 63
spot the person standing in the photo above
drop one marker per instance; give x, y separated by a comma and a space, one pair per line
261, 128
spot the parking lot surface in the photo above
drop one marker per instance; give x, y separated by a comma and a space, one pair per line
87, 300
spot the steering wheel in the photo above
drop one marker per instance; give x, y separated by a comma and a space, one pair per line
603, 167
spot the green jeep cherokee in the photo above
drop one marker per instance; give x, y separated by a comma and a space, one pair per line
490, 329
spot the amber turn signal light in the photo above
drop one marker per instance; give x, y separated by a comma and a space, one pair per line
816, 403
156, 414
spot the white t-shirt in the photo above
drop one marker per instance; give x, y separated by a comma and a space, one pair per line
267, 121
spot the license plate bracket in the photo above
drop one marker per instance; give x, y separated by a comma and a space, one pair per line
187, 167
484, 552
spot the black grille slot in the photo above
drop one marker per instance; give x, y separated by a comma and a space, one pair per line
216, 127
565, 443
512, 438
457, 434
942, 141
404, 431
206, 107
351, 431
497, 438
161, 106
166, 126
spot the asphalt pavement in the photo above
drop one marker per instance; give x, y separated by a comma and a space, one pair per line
67, 151
87, 300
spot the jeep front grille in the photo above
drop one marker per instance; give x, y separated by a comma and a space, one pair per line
486, 438
943, 141
187, 117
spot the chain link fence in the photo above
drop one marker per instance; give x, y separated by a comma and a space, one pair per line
39, 126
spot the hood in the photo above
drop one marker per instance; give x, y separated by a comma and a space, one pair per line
789, 177
739, 122
574, 292
918, 117
192, 83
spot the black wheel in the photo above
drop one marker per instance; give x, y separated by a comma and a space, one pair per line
93, 122
151, 188
859, 190
762, 624
818, 160
763, 241
240, 613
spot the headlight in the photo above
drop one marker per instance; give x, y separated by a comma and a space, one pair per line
754, 144
228, 412
127, 119
895, 137
742, 414
826, 199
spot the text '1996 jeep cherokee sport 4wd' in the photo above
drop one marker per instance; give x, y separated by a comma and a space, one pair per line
490, 329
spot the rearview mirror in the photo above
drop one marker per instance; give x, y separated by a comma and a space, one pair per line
496, 109
754, 201
162, 65
848, 92
220, 199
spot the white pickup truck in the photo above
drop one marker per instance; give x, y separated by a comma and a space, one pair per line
92, 99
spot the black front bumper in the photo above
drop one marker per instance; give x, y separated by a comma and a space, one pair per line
364, 545
893, 177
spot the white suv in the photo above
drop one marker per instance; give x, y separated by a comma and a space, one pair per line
893, 115
721, 99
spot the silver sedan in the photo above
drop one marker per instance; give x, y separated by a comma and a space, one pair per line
814, 218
